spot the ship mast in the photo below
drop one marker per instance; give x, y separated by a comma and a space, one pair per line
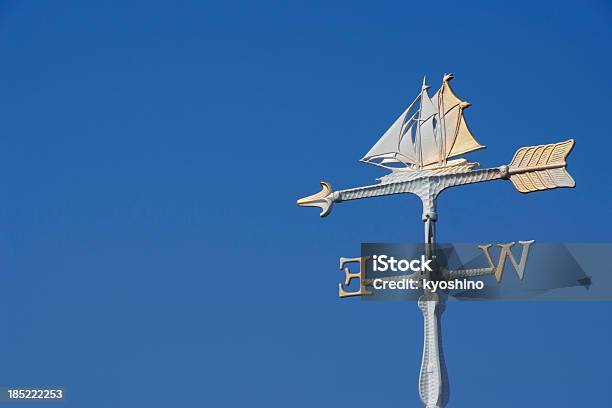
442, 119
424, 88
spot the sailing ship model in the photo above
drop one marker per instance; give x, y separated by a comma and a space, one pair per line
427, 134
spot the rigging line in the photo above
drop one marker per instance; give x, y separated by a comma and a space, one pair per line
457, 126
401, 158
419, 143
443, 123
381, 165
401, 130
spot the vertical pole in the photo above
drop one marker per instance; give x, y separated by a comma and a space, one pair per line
432, 375
430, 231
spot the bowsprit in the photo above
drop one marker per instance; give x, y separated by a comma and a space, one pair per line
420, 150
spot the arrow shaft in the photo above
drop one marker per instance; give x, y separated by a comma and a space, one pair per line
422, 186
427, 188
521, 170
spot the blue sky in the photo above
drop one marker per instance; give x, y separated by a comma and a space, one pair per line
151, 252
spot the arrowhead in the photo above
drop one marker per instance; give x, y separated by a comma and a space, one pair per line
323, 199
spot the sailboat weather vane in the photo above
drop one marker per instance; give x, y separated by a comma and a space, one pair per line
418, 150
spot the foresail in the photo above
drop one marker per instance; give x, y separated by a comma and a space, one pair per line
396, 143
389, 141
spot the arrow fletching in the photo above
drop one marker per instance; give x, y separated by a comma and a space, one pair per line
536, 168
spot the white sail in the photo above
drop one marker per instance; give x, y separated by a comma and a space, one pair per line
429, 150
396, 143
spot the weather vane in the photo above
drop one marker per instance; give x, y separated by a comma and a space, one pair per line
417, 150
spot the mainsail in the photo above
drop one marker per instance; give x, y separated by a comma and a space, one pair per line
427, 135
454, 132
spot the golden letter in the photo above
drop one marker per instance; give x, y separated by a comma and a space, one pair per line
507, 253
348, 276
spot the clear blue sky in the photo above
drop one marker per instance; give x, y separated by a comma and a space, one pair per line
151, 253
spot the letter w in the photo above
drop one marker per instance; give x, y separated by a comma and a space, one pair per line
507, 253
